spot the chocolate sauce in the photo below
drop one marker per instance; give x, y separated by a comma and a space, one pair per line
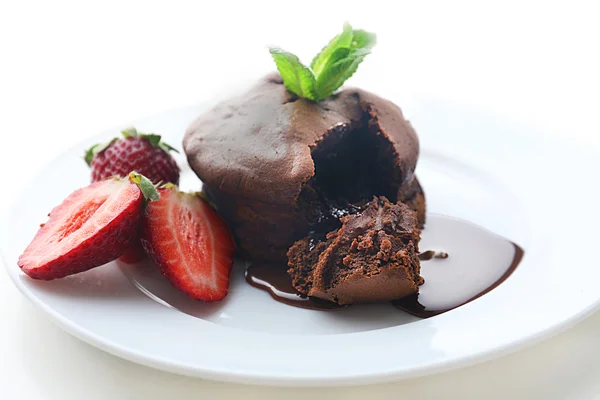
274, 279
430, 254
412, 305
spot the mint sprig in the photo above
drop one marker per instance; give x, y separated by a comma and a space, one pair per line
336, 62
297, 78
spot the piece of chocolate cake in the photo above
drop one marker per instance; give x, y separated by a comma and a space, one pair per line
277, 166
372, 257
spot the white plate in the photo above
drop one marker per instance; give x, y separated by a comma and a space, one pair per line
540, 194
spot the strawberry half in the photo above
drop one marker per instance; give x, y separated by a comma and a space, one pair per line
190, 243
134, 254
91, 227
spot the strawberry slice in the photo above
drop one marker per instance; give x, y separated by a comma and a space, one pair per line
134, 254
190, 243
91, 227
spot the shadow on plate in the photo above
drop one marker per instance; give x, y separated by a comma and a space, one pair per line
146, 277
102, 282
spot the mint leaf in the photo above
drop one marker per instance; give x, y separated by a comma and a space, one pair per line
363, 40
335, 64
297, 78
338, 72
341, 41
344, 62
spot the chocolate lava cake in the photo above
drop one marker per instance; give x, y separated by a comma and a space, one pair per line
278, 167
373, 257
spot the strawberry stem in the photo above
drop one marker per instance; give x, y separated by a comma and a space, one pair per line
152, 138
148, 190
95, 149
129, 132
204, 197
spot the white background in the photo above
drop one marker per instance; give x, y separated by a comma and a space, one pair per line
71, 69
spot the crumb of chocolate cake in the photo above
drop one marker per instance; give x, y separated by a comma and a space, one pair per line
372, 257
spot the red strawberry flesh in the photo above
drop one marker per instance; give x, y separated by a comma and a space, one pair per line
134, 254
190, 243
91, 227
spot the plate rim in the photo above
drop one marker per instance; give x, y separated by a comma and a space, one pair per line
232, 377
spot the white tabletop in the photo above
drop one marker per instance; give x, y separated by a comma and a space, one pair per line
70, 69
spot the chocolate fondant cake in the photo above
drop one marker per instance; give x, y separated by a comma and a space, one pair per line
278, 167
372, 257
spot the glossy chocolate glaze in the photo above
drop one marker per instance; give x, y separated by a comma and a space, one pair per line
274, 279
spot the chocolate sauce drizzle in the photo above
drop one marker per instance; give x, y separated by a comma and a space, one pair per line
430, 254
274, 279
411, 303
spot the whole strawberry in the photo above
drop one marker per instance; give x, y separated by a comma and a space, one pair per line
144, 153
